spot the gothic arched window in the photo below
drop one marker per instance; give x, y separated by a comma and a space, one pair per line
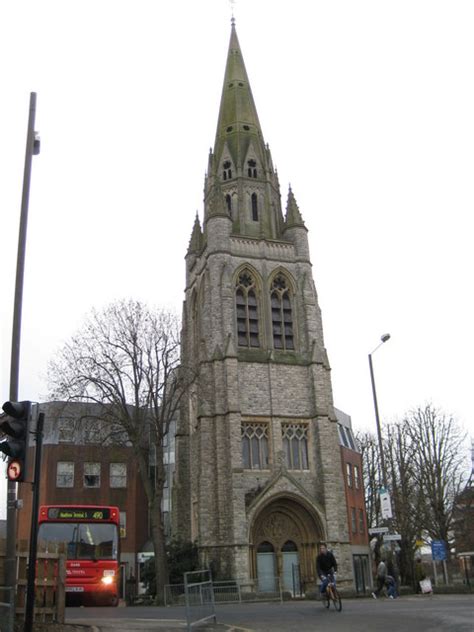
247, 311
282, 319
254, 207
228, 201
295, 446
227, 173
254, 446
252, 168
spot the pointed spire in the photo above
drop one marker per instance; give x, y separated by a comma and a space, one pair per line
293, 215
196, 236
237, 112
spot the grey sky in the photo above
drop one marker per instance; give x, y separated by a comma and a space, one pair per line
367, 107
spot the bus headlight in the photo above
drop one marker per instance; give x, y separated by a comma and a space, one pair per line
108, 577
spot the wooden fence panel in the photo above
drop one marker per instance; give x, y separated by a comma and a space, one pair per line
50, 580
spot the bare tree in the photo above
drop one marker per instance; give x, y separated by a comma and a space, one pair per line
372, 476
425, 461
440, 459
406, 494
126, 360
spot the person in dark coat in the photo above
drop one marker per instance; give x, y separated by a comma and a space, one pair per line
325, 565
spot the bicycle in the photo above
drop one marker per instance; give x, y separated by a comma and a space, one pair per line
332, 594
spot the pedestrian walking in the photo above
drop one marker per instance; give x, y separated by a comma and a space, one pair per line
419, 574
381, 575
391, 586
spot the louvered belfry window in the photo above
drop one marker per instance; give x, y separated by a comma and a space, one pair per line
282, 319
247, 311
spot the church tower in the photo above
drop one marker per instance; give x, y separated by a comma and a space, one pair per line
258, 479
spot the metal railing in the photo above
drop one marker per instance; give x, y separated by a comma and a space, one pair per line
229, 591
199, 596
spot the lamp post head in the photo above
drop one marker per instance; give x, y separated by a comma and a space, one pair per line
385, 337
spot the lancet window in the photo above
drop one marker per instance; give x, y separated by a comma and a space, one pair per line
254, 202
227, 170
282, 318
252, 169
247, 311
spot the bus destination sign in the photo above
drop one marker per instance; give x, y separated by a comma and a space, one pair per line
78, 513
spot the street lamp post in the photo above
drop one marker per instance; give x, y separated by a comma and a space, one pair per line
383, 339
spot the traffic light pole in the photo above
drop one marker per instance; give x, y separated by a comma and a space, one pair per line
10, 557
30, 590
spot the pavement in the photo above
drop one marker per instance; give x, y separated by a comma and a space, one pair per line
436, 613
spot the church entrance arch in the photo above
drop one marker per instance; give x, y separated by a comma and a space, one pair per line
284, 539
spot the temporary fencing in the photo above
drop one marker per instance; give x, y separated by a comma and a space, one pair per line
199, 596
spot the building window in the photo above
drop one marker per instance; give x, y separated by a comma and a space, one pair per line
351, 440
255, 446
92, 431
228, 201
342, 435
252, 169
254, 201
356, 477
65, 474
227, 173
118, 475
354, 520
123, 524
361, 521
282, 320
295, 446
118, 434
91, 474
66, 430
349, 474
247, 312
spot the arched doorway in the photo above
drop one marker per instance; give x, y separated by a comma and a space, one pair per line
284, 538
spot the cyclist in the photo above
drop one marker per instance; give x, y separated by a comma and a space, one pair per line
326, 566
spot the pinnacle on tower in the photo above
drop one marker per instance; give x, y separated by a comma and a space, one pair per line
196, 237
293, 215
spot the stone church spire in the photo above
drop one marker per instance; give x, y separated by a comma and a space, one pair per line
240, 165
238, 123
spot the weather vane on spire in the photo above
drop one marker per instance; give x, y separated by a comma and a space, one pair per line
232, 5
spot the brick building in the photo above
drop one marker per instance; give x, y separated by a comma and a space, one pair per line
258, 477
351, 461
84, 462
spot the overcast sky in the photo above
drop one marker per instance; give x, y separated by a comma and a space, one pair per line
368, 110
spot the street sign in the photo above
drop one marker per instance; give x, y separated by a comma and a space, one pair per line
377, 530
438, 550
392, 537
385, 504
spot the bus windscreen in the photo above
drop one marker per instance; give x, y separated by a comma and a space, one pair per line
85, 541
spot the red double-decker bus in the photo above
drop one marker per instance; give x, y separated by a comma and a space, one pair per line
91, 534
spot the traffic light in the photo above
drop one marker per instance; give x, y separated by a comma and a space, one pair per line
15, 424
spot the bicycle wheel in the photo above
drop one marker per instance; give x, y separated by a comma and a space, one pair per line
336, 600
